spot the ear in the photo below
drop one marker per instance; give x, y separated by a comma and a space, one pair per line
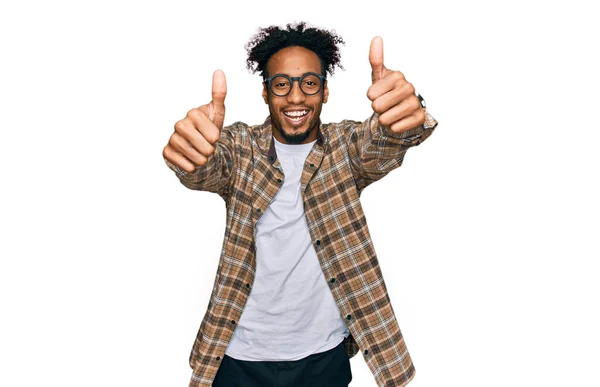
325, 92
264, 93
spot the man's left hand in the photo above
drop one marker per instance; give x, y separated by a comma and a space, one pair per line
393, 96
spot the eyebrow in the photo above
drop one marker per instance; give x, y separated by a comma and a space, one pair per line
300, 76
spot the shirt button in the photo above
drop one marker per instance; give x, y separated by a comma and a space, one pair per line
366, 351
218, 357
248, 286
318, 242
279, 180
312, 165
348, 317
258, 210
332, 280
233, 322
271, 158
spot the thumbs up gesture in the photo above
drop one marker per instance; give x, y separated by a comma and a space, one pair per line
195, 136
393, 96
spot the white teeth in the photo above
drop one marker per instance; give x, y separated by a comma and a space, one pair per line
297, 113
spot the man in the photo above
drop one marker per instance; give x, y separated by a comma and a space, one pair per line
298, 289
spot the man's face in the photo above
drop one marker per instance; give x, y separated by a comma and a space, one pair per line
295, 61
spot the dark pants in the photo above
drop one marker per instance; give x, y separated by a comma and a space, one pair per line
326, 369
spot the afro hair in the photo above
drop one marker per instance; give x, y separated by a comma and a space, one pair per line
269, 40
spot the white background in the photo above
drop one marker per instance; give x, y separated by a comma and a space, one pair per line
487, 235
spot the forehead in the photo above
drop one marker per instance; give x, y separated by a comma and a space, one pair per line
294, 61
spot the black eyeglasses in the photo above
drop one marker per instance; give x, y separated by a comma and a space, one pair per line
281, 84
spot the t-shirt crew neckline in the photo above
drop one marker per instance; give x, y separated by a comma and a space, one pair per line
293, 148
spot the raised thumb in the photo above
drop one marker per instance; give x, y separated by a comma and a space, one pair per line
376, 59
216, 107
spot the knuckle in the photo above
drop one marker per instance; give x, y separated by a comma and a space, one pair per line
190, 149
212, 136
166, 153
180, 126
210, 149
416, 105
186, 167
410, 87
194, 115
370, 94
201, 160
398, 76
399, 127
383, 120
191, 113
376, 106
178, 142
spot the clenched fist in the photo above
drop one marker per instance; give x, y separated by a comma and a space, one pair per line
195, 136
393, 96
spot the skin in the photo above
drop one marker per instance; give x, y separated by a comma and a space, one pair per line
194, 138
392, 96
295, 61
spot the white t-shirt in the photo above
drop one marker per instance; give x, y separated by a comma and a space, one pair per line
290, 313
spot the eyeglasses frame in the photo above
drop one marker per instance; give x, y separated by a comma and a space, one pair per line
322, 77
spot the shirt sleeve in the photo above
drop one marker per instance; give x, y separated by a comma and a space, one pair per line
376, 150
218, 173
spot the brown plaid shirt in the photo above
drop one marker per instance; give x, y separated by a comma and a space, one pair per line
347, 157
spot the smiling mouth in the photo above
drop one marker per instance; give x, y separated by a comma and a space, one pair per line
296, 116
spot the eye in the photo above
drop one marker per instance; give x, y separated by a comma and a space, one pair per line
311, 82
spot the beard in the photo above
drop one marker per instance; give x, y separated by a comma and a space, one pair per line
297, 138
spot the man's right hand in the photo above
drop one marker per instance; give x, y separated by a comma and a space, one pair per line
195, 136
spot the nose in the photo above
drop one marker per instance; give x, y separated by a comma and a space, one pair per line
296, 95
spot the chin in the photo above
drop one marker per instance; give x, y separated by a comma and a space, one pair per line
295, 137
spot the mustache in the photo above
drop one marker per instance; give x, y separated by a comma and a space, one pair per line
296, 107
